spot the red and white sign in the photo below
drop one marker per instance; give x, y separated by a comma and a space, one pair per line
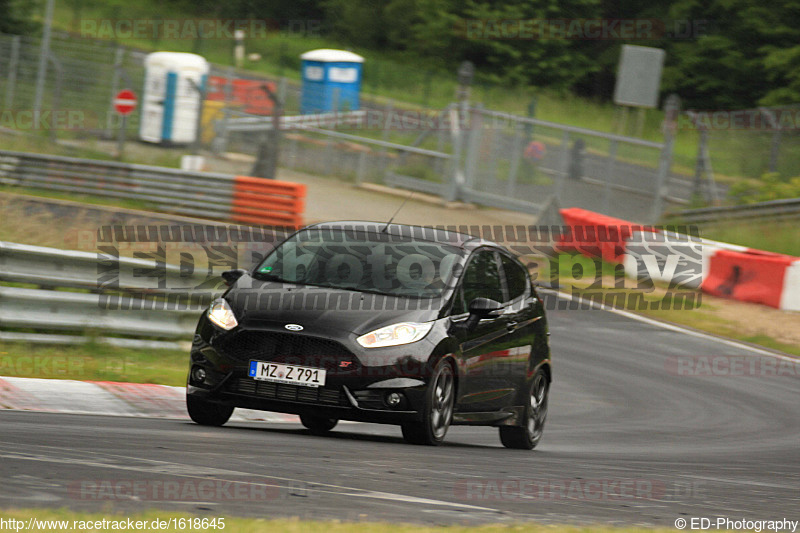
125, 102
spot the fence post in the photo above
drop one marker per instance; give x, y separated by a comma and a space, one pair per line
453, 191
56, 93
475, 134
562, 176
612, 155
44, 52
699, 166
13, 63
775, 147
386, 122
517, 158
361, 167
118, 58
220, 143
672, 108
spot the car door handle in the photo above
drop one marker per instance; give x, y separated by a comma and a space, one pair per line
511, 325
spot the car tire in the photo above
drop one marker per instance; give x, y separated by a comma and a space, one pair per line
527, 435
318, 424
437, 411
207, 413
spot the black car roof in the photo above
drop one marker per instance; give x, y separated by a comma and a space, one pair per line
438, 234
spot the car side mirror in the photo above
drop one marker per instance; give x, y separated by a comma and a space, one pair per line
230, 276
482, 308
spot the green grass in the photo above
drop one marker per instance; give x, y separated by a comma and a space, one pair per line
257, 525
94, 362
770, 235
84, 199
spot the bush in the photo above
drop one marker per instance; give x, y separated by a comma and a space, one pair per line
770, 187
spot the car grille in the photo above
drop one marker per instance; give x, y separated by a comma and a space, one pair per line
287, 392
290, 349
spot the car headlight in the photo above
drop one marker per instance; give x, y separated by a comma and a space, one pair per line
402, 333
221, 314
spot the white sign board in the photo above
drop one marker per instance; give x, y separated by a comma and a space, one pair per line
639, 76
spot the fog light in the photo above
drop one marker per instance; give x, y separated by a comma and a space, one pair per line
198, 374
394, 400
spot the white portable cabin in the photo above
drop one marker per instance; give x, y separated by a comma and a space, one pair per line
171, 101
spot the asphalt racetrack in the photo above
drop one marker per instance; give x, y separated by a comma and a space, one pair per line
634, 436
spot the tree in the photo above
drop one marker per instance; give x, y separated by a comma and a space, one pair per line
15, 16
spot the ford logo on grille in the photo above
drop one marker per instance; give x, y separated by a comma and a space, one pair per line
294, 327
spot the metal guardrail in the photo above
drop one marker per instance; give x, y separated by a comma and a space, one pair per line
318, 120
789, 208
153, 314
202, 194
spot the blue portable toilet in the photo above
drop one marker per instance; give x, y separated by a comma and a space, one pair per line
331, 81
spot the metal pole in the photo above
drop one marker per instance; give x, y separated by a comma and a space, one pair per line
612, 155
776, 137
12, 72
699, 167
515, 161
121, 137
220, 144
671, 111
198, 126
475, 135
118, 56
562, 176
453, 191
56, 94
44, 52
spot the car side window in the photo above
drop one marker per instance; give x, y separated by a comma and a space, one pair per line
516, 280
482, 278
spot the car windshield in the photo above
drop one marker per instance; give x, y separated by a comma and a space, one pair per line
363, 261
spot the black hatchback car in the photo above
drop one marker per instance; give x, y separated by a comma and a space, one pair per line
388, 323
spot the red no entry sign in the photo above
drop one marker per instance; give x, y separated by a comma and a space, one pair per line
125, 102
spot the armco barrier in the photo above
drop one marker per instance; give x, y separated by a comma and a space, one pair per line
720, 269
118, 309
201, 194
268, 202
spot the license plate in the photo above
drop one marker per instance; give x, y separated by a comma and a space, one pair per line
279, 373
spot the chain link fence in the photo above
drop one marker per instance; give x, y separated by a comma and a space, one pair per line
457, 152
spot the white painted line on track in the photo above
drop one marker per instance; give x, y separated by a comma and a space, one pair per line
153, 466
672, 327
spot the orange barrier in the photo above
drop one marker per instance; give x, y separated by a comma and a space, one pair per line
751, 276
596, 235
247, 93
267, 202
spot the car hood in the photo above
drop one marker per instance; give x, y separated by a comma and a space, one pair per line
323, 311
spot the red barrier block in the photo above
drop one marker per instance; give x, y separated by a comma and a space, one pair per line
267, 202
596, 235
752, 276
247, 93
